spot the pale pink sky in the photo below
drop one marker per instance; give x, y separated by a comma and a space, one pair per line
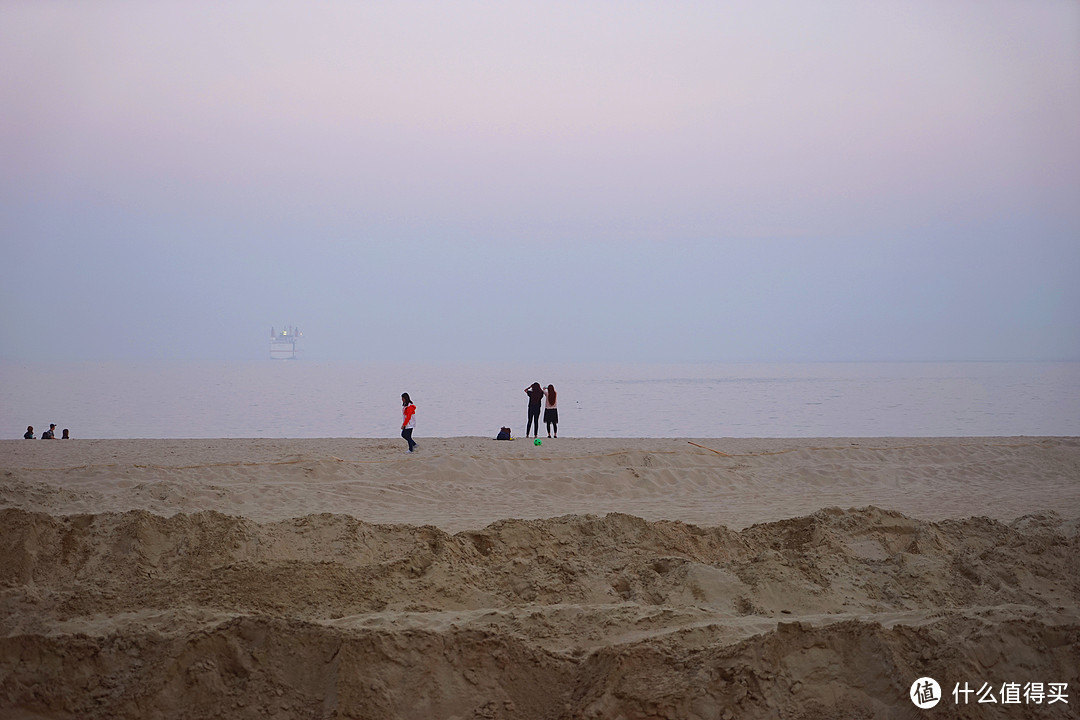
768, 180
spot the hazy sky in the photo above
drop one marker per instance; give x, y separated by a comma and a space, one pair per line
543, 181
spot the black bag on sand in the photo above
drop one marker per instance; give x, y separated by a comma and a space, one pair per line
504, 434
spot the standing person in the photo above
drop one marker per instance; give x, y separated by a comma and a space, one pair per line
536, 397
551, 412
408, 420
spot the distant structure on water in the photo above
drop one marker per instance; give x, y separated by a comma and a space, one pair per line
283, 342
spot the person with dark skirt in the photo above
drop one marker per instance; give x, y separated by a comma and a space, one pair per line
408, 420
536, 398
551, 412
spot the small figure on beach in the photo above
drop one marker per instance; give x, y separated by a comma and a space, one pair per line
49, 434
536, 398
29, 434
65, 436
408, 420
551, 411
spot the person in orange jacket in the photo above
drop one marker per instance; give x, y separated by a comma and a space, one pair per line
408, 420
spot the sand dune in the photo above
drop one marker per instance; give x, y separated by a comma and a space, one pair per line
579, 579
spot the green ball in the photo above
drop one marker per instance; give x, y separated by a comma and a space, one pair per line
537, 442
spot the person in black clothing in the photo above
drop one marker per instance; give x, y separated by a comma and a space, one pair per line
536, 399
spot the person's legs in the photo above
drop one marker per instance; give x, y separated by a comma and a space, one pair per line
551, 419
407, 434
534, 422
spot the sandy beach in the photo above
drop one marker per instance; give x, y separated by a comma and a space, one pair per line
582, 578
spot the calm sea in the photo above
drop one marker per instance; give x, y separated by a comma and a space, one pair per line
300, 399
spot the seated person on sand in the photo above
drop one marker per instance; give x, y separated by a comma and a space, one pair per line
49, 434
65, 436
29, 434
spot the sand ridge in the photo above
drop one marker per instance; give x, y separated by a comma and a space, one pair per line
198, 579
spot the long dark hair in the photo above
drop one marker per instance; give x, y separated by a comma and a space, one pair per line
536, 387
551, 394
405, 399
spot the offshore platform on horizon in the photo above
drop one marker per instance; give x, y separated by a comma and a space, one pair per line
283, 342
